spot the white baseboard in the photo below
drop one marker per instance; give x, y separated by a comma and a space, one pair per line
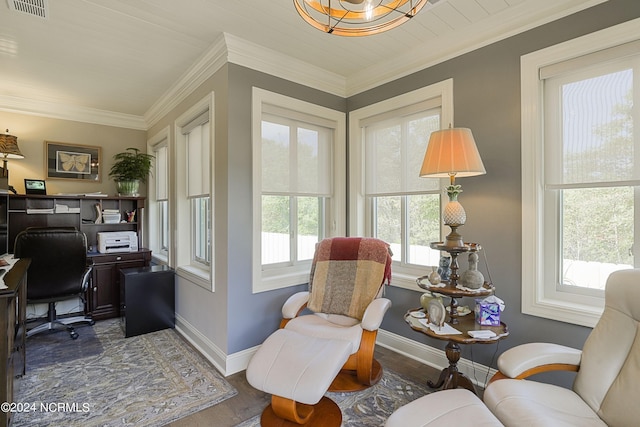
203, 344
225, 364
237, 362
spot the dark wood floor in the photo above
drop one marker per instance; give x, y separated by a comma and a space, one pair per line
250, 402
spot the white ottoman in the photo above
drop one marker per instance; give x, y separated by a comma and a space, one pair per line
446, 408
297, 370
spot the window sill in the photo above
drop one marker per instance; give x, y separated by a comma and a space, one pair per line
159, 259
281, 280
560, 310
197, 276
405, 281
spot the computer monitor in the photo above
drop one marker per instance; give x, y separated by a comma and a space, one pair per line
35, 186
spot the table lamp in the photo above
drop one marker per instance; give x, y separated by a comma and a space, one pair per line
9, 149
452, 152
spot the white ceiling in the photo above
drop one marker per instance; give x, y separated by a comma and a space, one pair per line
121, 56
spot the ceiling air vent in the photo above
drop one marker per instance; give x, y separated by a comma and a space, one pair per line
39, 8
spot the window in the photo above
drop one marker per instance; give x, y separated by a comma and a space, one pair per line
296, 182
404, 208
197, 137
298, 152
389, 200
194, 157
159, 197
581, 172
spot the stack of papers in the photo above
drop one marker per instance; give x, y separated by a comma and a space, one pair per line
482, 334
445, 329
66, 209
40, 211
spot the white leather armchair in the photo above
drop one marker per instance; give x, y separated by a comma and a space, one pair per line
607, 383
361, 369
371, 321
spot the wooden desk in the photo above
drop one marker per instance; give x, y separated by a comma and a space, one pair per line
450, 377
13, 313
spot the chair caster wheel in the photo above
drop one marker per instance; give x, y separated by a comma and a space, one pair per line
74, 335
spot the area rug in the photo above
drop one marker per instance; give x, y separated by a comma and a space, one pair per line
147, 380
372, 406
46, 348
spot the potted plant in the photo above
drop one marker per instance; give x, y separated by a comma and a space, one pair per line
129, 169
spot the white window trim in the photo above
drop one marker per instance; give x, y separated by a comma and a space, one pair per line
154, 142
357, 201
185, 268
537, 299
297, 274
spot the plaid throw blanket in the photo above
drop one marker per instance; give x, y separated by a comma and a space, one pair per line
347, 273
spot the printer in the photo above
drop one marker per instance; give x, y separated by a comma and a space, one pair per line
117, 241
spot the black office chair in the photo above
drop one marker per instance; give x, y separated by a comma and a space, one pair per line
58, 271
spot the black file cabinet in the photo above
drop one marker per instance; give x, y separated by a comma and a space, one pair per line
149, 299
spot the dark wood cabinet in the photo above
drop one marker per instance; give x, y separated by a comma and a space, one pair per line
12, 320
102, 298
105, 297
73, 211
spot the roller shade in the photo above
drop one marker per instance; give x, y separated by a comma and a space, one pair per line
198, 156
296, 157
589, 139
161, 172
394, 150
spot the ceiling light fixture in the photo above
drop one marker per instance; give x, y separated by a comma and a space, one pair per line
355, 18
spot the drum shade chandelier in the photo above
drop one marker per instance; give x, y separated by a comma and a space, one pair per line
356, 18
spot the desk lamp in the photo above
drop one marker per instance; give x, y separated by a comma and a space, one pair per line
452, 152
8, 150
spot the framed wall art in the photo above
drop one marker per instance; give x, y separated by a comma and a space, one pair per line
72, 161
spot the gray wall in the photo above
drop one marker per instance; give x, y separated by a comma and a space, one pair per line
264, 308
487, 99
232, 317
206, 311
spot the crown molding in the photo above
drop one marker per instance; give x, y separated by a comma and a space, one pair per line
231, 49
256, 57
55, 110
206, 66
500, 27
225, 49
